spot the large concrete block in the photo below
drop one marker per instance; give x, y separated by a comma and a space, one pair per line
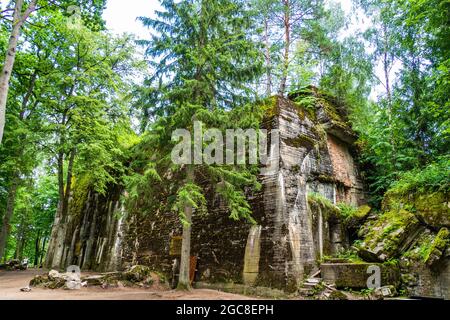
355, 275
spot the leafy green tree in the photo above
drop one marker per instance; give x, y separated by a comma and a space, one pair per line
409, 123
18, 153
19, 11
84, 110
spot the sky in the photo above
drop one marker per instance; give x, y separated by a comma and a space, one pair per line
121, 17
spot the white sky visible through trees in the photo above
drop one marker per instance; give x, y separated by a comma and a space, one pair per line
121, 16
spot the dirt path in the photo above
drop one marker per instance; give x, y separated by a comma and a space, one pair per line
12, 281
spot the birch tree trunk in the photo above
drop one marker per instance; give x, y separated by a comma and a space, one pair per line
287, 45
18, 20
268, 59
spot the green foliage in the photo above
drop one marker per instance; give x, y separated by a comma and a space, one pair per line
319, 199
203, 56
190, 195
352, 215
407, 129
33, 217
73, 102
351, 255
347, 211
328, 208
434, 177
207, 59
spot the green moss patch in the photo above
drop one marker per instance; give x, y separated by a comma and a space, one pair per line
353, 216
385, 238
431, 208
437, 247
270, 107
80, 188
316, 201
301, 141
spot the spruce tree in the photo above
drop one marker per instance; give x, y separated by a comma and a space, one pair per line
204, 59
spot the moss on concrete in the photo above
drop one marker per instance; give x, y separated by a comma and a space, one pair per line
437, 247
329, 210
270, 107
386, 236
301, 141
80, 188
431, 208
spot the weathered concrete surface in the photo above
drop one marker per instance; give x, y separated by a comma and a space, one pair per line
422, 281
355, 275
252, 255
91, 234
311, 160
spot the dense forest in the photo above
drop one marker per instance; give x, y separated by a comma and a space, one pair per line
80, 105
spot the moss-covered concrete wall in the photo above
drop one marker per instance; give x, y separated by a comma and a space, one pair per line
315, 156
288, 233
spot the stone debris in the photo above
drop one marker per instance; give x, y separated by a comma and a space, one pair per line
15, 264
137, 275
386, 291
73, 285
25, 289
55, 280
316, 288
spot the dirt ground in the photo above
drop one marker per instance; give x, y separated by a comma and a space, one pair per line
12, 281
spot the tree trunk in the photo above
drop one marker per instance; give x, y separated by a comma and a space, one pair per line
287, 45
184, 282
5, 76
21, 246
36, 248
386, 69
56, 244
44, 242
20, 240
4, 233
268, 60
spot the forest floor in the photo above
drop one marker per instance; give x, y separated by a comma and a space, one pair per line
12, 281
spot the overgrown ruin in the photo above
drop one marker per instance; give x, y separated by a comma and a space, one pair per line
298, 222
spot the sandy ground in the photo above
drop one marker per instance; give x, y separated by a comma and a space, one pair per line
12, 281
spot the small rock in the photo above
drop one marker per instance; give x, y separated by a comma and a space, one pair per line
72, 285
25, 289
38, 280
314, 280
53, 274
386, 291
